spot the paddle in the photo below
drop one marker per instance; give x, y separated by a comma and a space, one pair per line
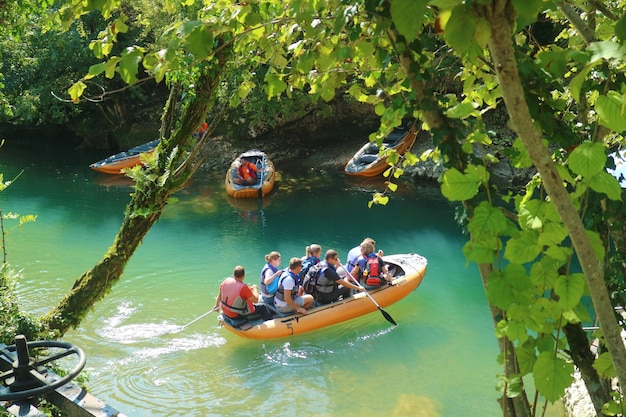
261, 180
356, 281
198, 318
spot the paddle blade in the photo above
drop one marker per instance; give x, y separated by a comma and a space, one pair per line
387, 316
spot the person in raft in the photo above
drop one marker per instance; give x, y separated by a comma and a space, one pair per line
370, 268
289, 297
237, 299
246, 173
355, 252
330, 285
270, 275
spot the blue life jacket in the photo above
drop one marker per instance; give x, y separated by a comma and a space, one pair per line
307, 263
271, 289
280, 292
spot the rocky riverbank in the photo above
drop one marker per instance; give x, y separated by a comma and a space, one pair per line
329, 141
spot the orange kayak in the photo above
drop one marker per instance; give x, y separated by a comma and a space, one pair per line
367, 162
265, 177
114, 164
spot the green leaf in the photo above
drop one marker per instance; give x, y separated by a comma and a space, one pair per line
523, 248
111, 67
508, 287
570, 289
274, 85
596, 244
461, 110
457, 186
610, 108
543, 274
482, 251
245, 88
76, 90
526, 357
552, 375
588, 159
527, 11
129, 65
576, 84
487, 221
606, 50
96, 69
607, 184
552, 234
460, 32
620, 28
409, 16
604, 366
200, 41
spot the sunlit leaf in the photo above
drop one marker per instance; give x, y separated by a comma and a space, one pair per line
604, 366
460, 31
482, 251
512, 285
408, 16
544, 273
607, 50
523, 248
526, 357
200, 41
461, 110
487, 221
129, 65
97, 69
607, 184
570, 289
76, 90
552, 375
274, 85
610, 108
588, 159
457, 186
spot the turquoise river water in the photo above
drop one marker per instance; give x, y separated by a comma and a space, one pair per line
439, 361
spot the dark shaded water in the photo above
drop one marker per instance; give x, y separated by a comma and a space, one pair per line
439, 361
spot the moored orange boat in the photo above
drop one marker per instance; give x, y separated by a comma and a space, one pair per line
114, 164
368, 162
265, 178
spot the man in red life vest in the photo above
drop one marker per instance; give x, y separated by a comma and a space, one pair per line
246, 173
238, 299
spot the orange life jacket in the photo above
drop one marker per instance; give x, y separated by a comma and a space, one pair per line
232, 303
246, 171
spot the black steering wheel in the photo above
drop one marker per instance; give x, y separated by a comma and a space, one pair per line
27, 377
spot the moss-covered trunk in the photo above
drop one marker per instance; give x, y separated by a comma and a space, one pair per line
177, 160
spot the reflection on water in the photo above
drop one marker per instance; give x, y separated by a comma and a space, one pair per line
439, 361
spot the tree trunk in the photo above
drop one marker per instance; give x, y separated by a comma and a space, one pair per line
583, 358
177, 157
517, 406
500, 14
